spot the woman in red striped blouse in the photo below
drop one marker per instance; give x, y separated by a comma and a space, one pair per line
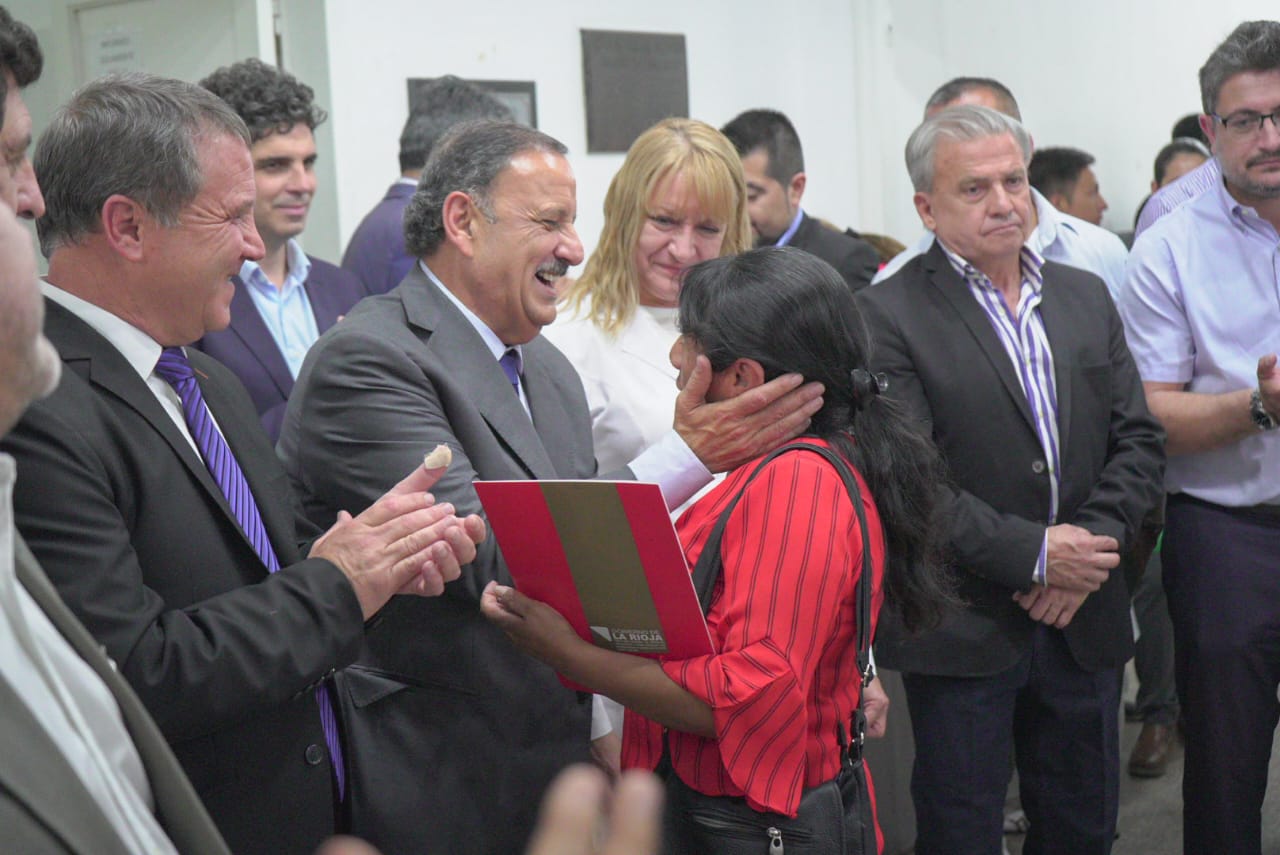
758, 719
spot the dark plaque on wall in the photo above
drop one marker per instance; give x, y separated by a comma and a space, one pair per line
520, 96
632, 80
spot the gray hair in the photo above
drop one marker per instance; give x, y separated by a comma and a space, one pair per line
467, 160
1252, 46
131, 134
960, 124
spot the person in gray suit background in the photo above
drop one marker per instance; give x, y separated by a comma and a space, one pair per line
450, 723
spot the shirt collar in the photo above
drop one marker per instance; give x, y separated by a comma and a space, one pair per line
140, 350
791, 229
488, 336
1029, 262
298, 265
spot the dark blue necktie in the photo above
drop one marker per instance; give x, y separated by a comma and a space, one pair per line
510, 362
175, 370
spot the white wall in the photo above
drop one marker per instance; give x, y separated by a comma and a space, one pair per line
741, 54
1107, 76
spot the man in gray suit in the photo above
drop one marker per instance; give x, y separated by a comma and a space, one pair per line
451, 726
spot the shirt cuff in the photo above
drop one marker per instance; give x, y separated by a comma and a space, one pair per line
1042, 567
673, 466
601, 725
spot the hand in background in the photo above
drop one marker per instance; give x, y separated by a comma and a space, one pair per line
580, 817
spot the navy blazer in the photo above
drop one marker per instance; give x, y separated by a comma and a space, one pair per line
376, 252
247, 348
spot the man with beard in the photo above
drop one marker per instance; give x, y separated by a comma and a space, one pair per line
1203, 322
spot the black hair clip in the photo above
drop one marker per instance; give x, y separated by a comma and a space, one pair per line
866, 386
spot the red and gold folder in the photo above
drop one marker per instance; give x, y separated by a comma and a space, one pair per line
605, 555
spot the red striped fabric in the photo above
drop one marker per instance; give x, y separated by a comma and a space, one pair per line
782, 619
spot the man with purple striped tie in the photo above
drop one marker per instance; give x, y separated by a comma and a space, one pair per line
1018, 367
150, 494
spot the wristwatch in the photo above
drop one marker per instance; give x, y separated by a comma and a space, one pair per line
1261, 418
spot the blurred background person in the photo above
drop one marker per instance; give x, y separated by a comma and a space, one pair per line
376, 252
1065, 177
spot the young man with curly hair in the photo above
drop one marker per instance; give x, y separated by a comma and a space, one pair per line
285, 301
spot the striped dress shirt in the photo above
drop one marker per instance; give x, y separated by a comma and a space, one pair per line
1025, 341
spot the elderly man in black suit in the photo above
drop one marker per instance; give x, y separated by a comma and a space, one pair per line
149, 493
1019, 369
461, 729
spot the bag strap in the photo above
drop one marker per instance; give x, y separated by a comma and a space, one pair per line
709, 567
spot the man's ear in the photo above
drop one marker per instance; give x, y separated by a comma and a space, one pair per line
795, 189
125, 225
744, 374
1060, 201
1210, 129
924, 207
459, 216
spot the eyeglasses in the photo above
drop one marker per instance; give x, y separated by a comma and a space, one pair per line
1247, 123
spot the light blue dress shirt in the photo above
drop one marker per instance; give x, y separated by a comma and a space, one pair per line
1200, 306
286, 310
1058, 237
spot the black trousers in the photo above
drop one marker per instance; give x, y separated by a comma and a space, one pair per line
1222, 578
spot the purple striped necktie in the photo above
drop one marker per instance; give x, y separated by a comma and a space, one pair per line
175, 369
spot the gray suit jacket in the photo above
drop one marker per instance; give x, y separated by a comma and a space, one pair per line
448, 723
43, 805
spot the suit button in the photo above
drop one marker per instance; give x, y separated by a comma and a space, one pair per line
314, 755
1037, 467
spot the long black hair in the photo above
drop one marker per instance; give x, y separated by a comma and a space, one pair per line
792, 312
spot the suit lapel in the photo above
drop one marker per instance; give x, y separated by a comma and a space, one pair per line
328, 299
463, 353
37, 775
93, 357
248, 326
955, 292
177, 805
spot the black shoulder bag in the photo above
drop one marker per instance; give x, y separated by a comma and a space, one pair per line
834, 817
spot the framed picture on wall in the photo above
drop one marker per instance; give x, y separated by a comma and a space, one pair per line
520, 96
632, 80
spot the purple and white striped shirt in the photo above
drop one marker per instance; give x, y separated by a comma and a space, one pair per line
1023, 336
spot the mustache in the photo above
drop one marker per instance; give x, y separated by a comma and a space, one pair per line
1261, 156
555, 269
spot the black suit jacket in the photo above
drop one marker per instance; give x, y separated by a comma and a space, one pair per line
946, 363
247, 348
457, 733
44, 807
855, 260
129, 525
